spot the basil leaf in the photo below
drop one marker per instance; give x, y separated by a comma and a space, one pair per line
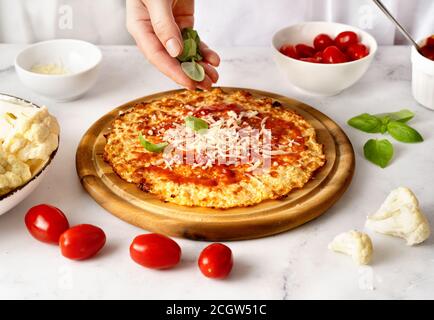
379, 152
11, 115
189, 52
403, 132
195, 124
198, 57
159, 147
190, 33
366, 123
403, 115
193, 70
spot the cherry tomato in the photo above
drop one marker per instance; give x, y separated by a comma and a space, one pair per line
215, 261
289, 51
357, 51
318, 57
46, 223
322, 41
332, 55
345, 39
304, 51
155, 251
82, 242
311, 60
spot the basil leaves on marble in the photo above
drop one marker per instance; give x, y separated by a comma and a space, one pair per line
191, 54
380, 152
151, 147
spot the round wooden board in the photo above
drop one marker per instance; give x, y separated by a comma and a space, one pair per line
144, 210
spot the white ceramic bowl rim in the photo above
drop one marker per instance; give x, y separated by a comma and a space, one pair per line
372, 50
53, 154
42, 43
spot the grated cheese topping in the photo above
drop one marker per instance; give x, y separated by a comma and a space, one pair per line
228, 140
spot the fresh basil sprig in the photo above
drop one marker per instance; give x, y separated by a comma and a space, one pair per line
151, 147
196, 124
191, 54
379, 152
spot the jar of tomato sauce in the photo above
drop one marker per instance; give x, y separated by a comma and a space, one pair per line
423, 73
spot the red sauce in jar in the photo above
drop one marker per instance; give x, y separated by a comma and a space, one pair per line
428, 49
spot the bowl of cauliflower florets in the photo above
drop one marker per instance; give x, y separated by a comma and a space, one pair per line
29, 139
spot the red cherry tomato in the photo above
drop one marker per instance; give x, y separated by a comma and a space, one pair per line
332, 55
289, 51
82, 242
357, 51
318, 57
304, 51
215, 261
322, 41
311, 60
346, 39
155, 251
46, 223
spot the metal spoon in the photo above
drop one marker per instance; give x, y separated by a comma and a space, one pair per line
397, 24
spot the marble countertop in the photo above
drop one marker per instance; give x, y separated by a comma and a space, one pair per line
292, 265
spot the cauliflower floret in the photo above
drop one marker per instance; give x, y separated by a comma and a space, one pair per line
356, 244
34, 136
13, 172
400, 216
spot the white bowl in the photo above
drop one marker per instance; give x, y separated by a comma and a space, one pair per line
315, 78
14, 197
423, 78
80, 58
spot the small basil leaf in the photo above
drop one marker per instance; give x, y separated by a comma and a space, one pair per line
403, 115
193, 70
151, 147
189, 33
196, 124
379, 152
366, 123
403, 132
11, 115
189, 52
198, 57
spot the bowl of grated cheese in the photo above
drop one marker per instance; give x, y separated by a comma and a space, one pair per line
63, 69
29, 139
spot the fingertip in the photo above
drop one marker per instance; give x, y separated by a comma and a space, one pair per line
173, 47
211, 57
205, 84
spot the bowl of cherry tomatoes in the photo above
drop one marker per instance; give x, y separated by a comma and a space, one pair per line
323, 58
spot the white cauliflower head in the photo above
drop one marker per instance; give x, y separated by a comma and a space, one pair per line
400, 216
13, 172
356, 244
32, 135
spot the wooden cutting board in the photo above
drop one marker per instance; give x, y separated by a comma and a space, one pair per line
144, 210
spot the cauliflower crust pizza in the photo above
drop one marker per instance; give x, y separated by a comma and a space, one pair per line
213, 149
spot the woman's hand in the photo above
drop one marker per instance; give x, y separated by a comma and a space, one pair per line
155, 26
